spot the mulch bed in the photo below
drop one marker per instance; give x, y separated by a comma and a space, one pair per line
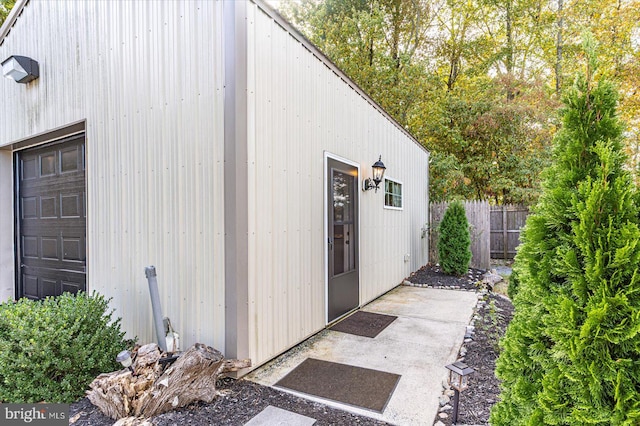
432, 276
492, 317
243, 399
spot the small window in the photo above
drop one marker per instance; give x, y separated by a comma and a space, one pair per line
392, 194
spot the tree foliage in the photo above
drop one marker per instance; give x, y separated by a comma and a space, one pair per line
570, 354
485, 147
454, 241
376, 43
5, 8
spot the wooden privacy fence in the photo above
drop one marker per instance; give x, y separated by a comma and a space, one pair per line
478, 218
495, 230
506, 222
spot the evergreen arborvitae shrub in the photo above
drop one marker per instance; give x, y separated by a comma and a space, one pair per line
51, 350
514, 282
571, 354
454, 241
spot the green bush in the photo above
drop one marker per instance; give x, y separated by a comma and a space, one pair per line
570, 354
514, 282
51, 350
454, 242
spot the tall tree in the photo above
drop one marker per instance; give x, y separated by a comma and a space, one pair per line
456, 40
518, 30
485, 147
559, 44
377, 43
570, 353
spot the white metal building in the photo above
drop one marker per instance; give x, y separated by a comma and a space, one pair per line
210, 139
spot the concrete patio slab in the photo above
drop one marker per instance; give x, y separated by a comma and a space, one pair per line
424, 338
274, 416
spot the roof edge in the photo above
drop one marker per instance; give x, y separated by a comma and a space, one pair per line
11, 19
296, 34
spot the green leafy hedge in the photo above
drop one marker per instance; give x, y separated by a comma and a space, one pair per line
51, 350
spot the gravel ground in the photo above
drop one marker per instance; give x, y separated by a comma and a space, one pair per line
243, 399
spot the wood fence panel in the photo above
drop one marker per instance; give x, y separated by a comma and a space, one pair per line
506, 222
478, 216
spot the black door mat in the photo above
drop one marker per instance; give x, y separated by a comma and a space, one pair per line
364, 323
357, 386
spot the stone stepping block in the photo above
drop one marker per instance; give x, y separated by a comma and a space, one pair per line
274, 416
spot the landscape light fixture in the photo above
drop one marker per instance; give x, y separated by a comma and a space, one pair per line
378, 173
459, 373
124, 358
20, 69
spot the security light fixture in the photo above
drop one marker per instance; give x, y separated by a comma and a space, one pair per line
20, 69
459, 373
378, 173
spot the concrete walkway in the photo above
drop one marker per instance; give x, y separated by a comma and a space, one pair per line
426, 336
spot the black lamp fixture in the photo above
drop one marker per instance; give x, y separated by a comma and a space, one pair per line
459, 380
378, 173
20, 69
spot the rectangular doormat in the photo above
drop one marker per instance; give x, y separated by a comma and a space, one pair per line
356, 386
362, 323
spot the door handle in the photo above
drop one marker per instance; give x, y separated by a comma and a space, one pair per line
330, 240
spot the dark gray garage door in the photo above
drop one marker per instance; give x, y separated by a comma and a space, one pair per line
52, 219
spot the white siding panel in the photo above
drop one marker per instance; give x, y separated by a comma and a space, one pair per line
302, 109
21, 111
163, 81
147, 78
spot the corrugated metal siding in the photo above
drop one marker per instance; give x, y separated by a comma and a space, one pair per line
147, 77
37, 107
299, 108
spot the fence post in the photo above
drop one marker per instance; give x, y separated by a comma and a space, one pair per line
505, 234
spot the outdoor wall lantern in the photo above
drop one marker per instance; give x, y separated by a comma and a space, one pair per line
20, 69
378, 173
459, 373
124, 358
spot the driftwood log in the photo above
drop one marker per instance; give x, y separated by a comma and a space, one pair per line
154, 388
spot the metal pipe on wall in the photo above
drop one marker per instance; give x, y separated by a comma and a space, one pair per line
150, 273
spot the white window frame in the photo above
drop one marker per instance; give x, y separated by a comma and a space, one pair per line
385, 194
